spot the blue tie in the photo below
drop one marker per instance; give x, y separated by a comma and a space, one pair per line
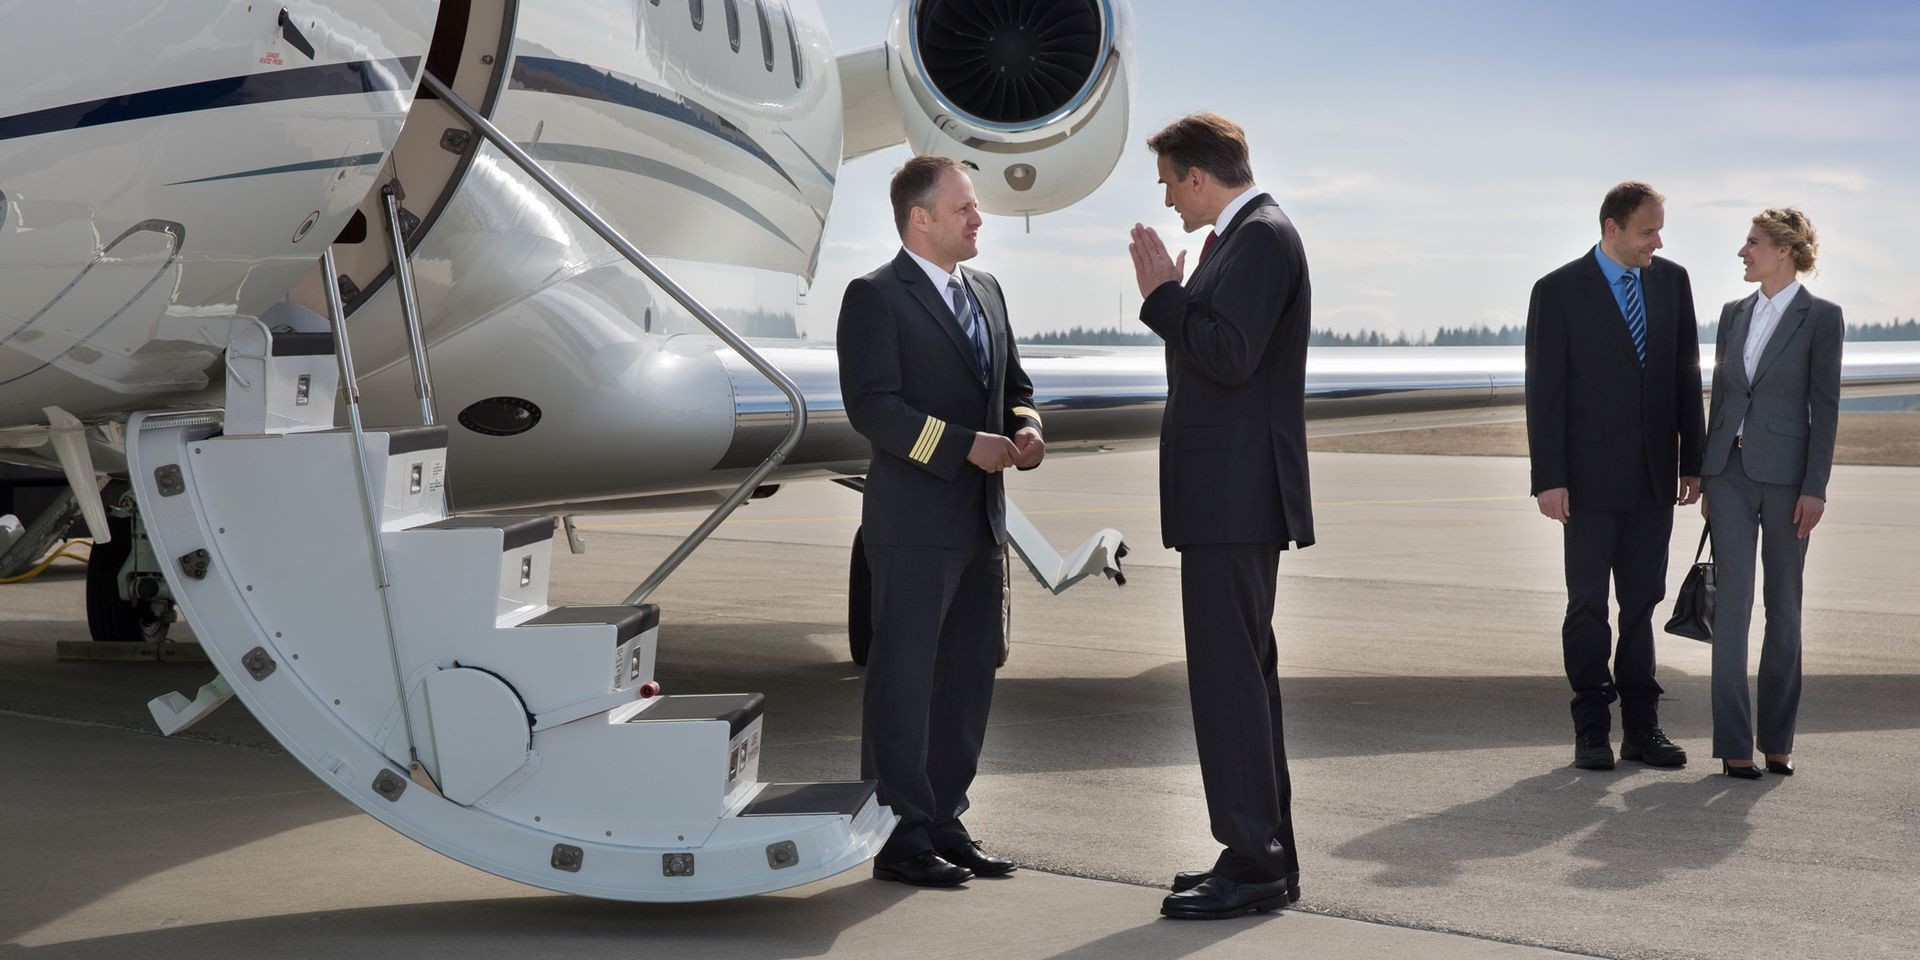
970, 324
1636, 317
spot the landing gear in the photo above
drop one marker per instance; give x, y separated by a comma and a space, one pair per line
860, 603
127, 598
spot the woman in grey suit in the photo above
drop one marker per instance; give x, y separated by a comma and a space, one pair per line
1776, 403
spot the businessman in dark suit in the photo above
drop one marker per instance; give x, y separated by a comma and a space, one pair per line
1233, 492
930, 376
1614, 431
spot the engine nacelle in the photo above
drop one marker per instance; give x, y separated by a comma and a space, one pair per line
1033, 94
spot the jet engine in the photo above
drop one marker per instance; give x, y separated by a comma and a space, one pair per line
1033, 94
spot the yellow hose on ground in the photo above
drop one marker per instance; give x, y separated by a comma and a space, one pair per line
65, 549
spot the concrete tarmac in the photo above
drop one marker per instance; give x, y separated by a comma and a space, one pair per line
1427, 719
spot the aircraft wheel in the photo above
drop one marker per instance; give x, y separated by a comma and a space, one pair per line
109, 617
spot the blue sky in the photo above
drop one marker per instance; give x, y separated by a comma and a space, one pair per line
1439, 157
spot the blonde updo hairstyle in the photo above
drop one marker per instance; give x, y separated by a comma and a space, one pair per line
1788, 227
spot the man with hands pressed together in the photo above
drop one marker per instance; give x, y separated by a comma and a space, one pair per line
930, 376
1233, 492
1614, 433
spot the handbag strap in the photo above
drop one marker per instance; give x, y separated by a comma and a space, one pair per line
1705, 529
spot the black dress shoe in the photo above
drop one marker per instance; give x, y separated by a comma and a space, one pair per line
979, 861
1781, 767
1218, 898
925, 870
1188, 879
1591, 751
1652, 748
1748, 772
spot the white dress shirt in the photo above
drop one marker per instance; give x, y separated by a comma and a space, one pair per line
1766, 319
940, 278
1232, 209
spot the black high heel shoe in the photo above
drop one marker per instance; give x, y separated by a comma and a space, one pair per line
1781, 767
1748, 772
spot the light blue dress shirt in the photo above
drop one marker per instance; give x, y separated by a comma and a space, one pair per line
1614, 272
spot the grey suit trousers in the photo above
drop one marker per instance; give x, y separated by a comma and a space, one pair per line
1746, 513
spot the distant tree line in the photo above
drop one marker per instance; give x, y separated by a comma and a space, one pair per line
1091, 337
1482, 336
1896, 329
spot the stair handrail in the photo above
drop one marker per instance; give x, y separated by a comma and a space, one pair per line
532, 168
409, 303
370, 502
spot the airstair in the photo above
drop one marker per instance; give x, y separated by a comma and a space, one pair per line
409, 656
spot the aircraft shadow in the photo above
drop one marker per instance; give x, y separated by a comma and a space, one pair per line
761, 928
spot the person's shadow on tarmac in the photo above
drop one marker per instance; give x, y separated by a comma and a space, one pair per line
1634, 838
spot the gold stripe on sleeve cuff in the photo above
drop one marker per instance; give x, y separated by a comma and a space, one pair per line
1028, 412
929, 440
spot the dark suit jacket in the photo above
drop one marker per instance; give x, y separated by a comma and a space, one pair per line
911, 387
1617, 436
1792, 404
1233, 440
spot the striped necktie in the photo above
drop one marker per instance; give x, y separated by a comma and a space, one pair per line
1636, 317
969, 324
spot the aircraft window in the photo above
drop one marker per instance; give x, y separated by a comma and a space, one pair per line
766, 33
793, 41
697, 9
733, 24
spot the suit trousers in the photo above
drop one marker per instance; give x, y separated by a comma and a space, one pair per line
1628, 548
1746, 513
929, 683
1226, 597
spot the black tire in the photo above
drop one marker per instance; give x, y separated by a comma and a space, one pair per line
859, 602
109, 618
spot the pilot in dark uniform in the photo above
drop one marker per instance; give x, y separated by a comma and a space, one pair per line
930, 376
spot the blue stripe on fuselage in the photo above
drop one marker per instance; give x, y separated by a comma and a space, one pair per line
299, 83
565, 77
354, 161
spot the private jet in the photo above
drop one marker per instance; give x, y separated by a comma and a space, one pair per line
555, 252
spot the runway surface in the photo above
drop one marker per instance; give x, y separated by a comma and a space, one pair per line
1426, 716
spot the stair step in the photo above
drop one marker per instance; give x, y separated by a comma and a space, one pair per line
628, 621
738, 709
515, 532
838, 798
413, 439
292, 344
296, 344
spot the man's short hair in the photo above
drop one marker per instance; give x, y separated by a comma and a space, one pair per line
914, 184
1624, 199
1208, 141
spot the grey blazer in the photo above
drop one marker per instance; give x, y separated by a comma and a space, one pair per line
1792, 404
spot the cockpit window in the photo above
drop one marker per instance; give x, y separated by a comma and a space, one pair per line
697, 10
733, 24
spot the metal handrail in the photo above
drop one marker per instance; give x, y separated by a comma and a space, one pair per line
613, 238
370, 501
409, 305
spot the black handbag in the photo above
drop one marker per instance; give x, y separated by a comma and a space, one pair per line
1693, 607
